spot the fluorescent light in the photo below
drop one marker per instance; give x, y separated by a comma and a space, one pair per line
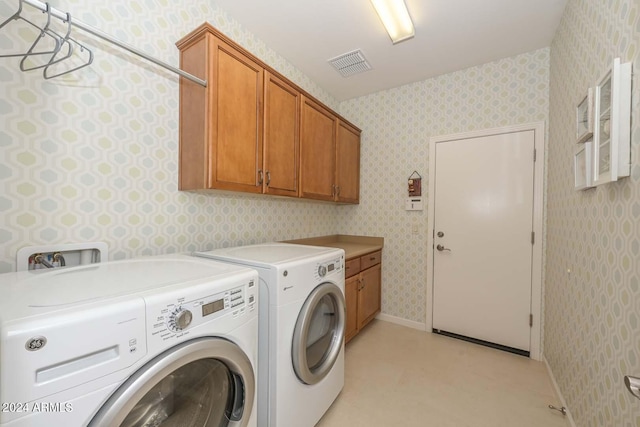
395, 18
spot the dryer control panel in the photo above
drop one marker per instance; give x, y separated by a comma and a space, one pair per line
191, 311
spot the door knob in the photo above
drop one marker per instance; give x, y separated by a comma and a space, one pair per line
442, 248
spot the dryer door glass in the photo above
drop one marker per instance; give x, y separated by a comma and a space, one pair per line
206, 382
319, 333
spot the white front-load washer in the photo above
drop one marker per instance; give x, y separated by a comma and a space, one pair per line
158, 341
301, 329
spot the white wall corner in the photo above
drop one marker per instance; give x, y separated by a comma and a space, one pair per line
400, 321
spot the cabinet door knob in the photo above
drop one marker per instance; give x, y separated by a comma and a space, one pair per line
260, 177
268, 178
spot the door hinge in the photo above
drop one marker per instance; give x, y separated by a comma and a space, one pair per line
531, 320
535, 154
533, 237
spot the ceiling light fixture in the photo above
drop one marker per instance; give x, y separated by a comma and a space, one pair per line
395, 18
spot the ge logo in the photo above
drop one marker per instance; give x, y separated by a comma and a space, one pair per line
35, 343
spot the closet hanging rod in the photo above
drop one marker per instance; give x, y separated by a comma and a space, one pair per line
91, 30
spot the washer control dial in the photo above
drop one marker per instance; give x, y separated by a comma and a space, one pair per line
322, 270
179, 319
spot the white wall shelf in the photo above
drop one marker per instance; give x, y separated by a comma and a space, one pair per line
612, 125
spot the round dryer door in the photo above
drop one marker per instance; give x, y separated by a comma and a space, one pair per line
206, 382
319, 333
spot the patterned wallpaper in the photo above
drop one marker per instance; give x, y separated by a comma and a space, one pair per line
397, 124
592, 328
92, 156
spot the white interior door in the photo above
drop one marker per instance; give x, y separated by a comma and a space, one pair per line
483, 222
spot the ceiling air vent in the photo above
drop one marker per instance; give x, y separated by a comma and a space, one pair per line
350, 63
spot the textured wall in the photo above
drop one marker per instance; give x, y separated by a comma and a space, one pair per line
92, 156
592, 328
397, 124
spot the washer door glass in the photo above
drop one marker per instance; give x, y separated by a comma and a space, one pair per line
202, 383
197, 394
319, 333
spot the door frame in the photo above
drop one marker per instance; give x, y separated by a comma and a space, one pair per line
538, 222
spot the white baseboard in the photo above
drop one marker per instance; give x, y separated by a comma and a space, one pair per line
558, 392
401, 321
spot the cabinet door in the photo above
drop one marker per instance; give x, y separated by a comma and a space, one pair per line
281, 137
369, 295
348, 164
351, 302
236, 120
317, 151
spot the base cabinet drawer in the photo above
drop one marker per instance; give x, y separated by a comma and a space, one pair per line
370, 260
351, 268
363, 291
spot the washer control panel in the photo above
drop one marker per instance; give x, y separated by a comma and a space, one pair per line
328, 267
178, 314
179, 319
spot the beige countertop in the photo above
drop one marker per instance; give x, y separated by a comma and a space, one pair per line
353, 246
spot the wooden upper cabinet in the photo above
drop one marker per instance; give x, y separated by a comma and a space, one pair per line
220, 125
317, 151
281, 137
236, 119
348, 164
330, 156
252, 130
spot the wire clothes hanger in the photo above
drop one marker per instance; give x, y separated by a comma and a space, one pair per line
69, 54
68, 40
43, 32
59, 43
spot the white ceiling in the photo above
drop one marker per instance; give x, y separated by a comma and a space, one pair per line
450, 35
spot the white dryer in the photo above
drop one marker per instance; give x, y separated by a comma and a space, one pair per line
158, 341
301, 329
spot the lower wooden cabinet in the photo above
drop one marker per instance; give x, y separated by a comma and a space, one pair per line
369, 295
351, 290
363, 285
